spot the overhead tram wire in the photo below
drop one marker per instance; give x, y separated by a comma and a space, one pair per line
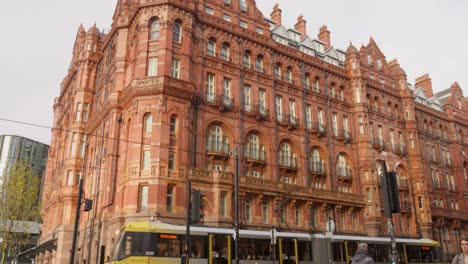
231, 157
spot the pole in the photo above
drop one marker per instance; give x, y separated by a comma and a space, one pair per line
188, 221
393, 257
236, 206
77, 219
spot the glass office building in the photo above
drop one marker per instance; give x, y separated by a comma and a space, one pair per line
16, 148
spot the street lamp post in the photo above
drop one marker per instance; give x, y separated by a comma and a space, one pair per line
77, 219
236, 206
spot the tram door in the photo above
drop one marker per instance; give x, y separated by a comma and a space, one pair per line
288, 251
219, 249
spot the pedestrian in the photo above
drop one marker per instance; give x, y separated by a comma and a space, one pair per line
361, 256
462, 258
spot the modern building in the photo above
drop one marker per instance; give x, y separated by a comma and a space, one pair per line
15, 149
176, 86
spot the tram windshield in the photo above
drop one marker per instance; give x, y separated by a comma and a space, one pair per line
147, 245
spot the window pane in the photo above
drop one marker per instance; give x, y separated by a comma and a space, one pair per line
143, 198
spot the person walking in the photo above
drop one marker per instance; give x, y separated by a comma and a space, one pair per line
462, 258
361, 256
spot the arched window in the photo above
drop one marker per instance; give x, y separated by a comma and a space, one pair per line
177, 32
341, 95
288, 75
216, 141
332, 90
317, 164
155, 28
342, 167
287, 157
259, 63
173, 124
148, 123
253, 146
225, 52
211, 48
307, 81
277, 72
246, 60
316, 85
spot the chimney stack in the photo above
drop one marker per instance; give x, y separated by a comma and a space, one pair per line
301, 26
324, 36
276, 14
425, 83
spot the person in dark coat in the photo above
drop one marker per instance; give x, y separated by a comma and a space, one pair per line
361, 256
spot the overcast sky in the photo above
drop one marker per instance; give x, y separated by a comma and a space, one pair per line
426, 36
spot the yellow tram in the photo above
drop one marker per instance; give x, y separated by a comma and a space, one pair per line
157, 243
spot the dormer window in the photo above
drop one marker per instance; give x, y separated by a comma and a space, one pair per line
281, 41
308, 51
379, 64
294, 36
320, 48
459, 104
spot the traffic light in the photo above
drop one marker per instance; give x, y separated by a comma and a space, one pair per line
197, 206
88, 205
394, 195
390, 194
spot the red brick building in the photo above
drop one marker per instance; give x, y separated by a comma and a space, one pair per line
167, 94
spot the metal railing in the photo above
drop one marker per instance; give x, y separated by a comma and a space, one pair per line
317, 167
344, 172
253, 152
217, 146
287, 161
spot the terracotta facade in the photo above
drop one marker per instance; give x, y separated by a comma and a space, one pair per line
175, 86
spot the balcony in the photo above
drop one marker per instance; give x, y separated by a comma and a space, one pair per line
378, 144
318, 128
258, 111
254, 155
342, 135
222, 102
405, 206
399, 150
217, 149
289, 121
317, 168
402, 185
343, 173
287, 163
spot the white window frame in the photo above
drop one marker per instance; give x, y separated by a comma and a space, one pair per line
175, 69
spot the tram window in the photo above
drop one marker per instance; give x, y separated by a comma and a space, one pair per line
339, 251
220, 249
198, 246
288, 253
305, 254
254, 249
